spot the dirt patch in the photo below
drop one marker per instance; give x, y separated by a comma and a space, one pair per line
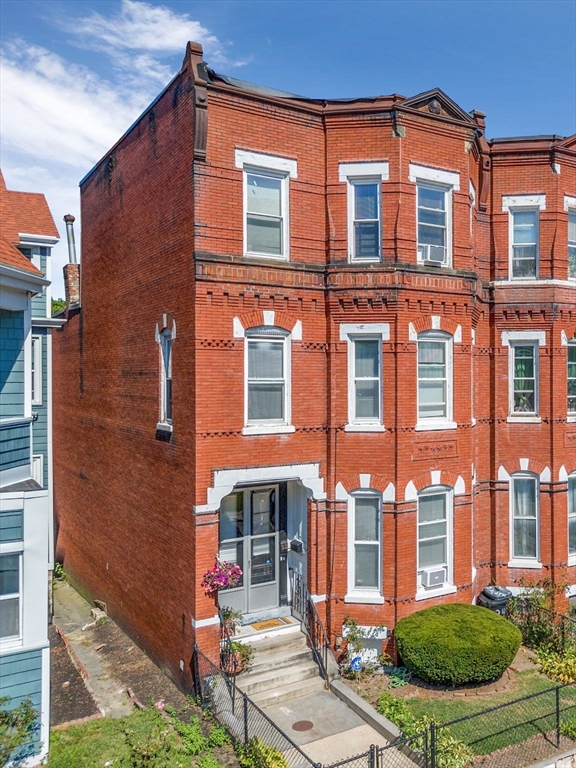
69, 697
371, 687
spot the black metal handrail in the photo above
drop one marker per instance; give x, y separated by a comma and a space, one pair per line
304, 609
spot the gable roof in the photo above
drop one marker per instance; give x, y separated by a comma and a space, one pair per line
25, 212
436, 102
10, 256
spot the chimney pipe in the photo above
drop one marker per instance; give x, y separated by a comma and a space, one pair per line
69, 219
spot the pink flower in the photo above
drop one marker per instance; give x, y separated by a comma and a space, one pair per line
160, 705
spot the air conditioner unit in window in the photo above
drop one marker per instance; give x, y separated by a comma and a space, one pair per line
433, 577
432, 254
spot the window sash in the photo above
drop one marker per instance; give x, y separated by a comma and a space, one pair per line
367, 543
432, 223
524, 243
166, 362
266, 381
525, 515
433, 531
525, 363
572, 243
366, 216
265, 213
432, 379
571, 377
10, 594
367, 377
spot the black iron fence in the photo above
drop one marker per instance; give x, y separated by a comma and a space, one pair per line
304, 610
244, 721
541, 627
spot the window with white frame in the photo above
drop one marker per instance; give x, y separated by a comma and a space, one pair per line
434, 538
572, 243
434, 377
36, 370
166, 339
524, 378
267, 376
434, 193
10, 595
266, 205
571, 376
365, 544
523, 233
366, 375
524, 256
364, 183
525, 516
572, 517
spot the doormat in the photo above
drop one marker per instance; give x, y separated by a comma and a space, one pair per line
269, 624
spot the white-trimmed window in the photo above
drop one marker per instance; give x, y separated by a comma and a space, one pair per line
572, 243
572, 518
523, 234
365, 547
434, 197
267, 380
165, 341
266, 203
434, 379
364, 181
365, 375
524, 513
435, 539
36, 370
524, 378
571, 376
10, 595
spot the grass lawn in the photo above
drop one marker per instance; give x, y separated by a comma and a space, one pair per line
493, 730
141, 738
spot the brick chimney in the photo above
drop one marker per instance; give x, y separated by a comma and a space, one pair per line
71, 270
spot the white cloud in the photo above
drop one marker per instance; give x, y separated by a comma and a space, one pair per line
58, 118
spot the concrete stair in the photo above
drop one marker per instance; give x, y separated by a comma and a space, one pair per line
283, 668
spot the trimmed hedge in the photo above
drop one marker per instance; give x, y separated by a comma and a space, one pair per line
456, 644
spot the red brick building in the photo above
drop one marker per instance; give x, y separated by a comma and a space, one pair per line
335, 337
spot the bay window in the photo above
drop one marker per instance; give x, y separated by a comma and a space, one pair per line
524, 378
10, 594
434, 380
365, 548
434, 539
572, 518
571, 377
572, 243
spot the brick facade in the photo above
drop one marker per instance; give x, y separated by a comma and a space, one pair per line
163, 226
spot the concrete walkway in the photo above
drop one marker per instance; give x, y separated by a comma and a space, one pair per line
332, 730
71, 614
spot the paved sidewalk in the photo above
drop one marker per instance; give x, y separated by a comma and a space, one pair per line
332, 731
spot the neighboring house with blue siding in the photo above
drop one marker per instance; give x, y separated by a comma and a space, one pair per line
28, 233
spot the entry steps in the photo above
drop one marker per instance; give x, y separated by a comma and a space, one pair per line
283, 668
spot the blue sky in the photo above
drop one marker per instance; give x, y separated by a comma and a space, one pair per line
76, 73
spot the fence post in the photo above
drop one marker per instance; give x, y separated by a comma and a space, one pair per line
196, 673
432, 744
426, 749
245, 700
372, 757
558, 716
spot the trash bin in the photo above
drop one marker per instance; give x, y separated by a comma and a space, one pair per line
495, 598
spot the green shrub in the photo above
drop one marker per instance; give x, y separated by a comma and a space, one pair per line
18, 727
457, 644
256, 754
559, 666
568, 728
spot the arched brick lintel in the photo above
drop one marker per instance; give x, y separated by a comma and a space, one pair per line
258, 317
434, 477
368, 482
436, 323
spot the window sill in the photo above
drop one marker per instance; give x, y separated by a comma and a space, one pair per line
270, 429
11, 642
571, 419
249, 254
363, 598
425, 426
571, 560
364, 428
512, 419
434, 264
445, 589
163, 426
524, 564
370, 260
